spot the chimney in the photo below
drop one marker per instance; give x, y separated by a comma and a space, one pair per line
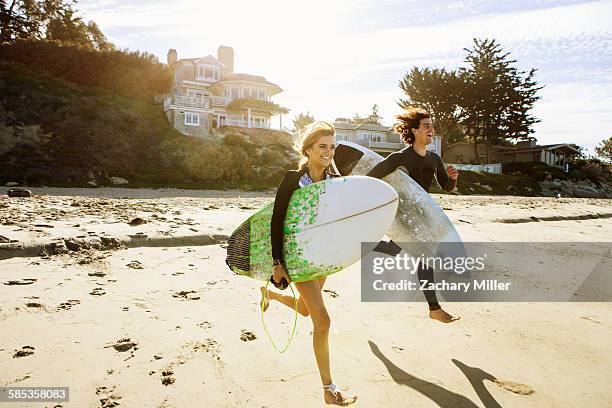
171, 57
226, 56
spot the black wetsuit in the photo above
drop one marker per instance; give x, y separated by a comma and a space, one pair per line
422, 170
293, 180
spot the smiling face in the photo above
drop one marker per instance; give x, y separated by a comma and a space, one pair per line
425, 132
321, 153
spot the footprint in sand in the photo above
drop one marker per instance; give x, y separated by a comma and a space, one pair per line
516, 388
135, 265
247, 335
97, 292
108, 397
24, 351
189, 295
68, 304
205, 325
35, 305
122, 345
167, 378
26, 281
98, 274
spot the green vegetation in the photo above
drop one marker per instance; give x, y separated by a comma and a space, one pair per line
56, 132
481, 183
133, 75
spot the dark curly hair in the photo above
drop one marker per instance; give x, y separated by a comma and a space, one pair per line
410, 119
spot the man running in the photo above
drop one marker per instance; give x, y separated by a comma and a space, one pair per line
416, 130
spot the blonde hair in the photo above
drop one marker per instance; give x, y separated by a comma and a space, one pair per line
311, 134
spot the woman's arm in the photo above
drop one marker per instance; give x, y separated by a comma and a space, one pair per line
281, 202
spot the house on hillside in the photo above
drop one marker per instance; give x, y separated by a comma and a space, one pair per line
527, 151
381, 139
553, 154
463, 153
206, 93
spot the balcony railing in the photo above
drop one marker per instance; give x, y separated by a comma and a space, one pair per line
244, 123
192, 102
384, 145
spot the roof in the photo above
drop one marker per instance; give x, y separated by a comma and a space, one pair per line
362, 126
249, 78
194, 60
480, 146
562, 146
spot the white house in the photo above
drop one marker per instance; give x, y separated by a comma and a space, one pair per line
381, 139
206, 93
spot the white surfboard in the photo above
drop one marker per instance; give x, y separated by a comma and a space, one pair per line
325, 224
419, 218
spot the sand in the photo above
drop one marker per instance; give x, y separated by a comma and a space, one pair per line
148, 315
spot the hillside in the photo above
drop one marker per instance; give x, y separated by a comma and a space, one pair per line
56, 132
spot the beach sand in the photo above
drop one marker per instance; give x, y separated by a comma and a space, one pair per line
162, 322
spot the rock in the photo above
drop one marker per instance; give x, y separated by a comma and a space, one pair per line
587, 192
116, 181
55, 248
92, 184
111, 243
11, 184
137, 221
19, 192
487, 187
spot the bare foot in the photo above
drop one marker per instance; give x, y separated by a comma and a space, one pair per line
265, 300
333, 396
441, 316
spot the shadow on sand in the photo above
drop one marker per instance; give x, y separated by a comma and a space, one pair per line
440, 395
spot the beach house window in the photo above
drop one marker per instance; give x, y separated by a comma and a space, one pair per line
208, 72
261, 94
375, 138
459, 158
234, 93
192, 119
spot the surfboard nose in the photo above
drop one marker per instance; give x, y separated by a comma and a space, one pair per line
368, 191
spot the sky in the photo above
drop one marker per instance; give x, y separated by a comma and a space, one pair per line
335, 58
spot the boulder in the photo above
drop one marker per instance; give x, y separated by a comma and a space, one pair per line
11, 184
587, 192
19, 192
117, 181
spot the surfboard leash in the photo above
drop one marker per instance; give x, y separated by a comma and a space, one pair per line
294, 321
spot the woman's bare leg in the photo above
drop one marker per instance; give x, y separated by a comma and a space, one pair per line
288, 301
311, 295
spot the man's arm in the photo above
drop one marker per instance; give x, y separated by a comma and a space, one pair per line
447, 178
387, 166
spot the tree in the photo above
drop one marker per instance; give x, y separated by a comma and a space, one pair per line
48, 19
498, 98
98, 39
302, 120
581, 150
439, 92
374, 118
68, 28
604, 150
